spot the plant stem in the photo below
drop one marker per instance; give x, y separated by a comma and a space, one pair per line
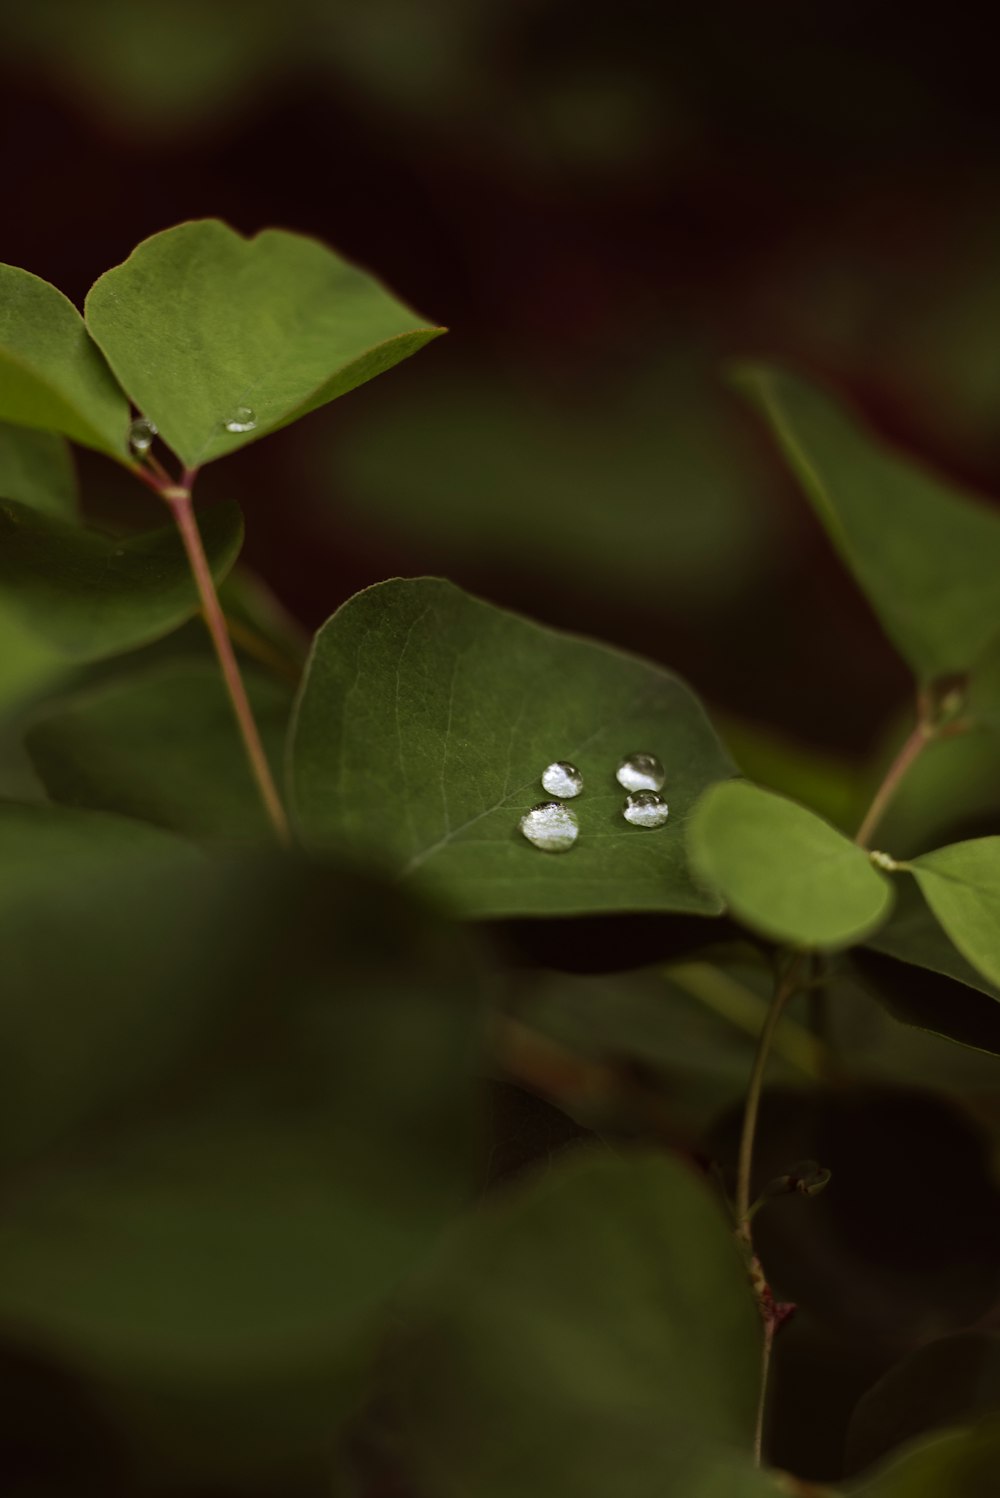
178, 497
894, 777
767, 1345
784, 990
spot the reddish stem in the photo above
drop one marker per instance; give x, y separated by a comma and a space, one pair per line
894, 776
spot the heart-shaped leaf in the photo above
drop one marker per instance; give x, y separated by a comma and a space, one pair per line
592, 1333
163, 746
220, 339
949, 1382
961, 884
238, 1105
783, 871
926, 556
36, 469
425, 722
52, 375
88, 595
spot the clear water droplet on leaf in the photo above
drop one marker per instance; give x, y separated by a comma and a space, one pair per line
141, 435
645, 809
562, 779
551, 827
641, 772
243, 419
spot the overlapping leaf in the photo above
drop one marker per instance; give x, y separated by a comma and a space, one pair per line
36, 469
52, 375
783, 871
926, 556
200, 325
425, 722
593, 1333
961, 884
87, 595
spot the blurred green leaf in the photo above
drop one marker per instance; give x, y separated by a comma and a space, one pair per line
644, 483
926, 557
591, 1333
425, 722
947, 1383
238, 1105
36, 469
825, 783
950, 791
782, 870
163, 746
957, 1464
961, 884
87, 595
52, 375
205, 328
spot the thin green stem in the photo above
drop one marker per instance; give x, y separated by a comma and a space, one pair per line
767, 1346
894, 777
178, 497
784, 990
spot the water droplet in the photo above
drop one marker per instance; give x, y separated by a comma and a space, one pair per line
641, 772
562, 779
551, 827
645, 809
243, 419
140, 436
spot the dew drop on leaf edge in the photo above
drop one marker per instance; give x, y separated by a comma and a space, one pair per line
141, 435
551, 827
641, 771
562, 779
645, 809
243, 419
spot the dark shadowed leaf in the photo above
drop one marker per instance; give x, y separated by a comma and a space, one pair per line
424, 725
52, 375
782, 870
957, 1464
163, 746
87, 595
204, 327
926, 556
591, 1333
951, 1382
36, 469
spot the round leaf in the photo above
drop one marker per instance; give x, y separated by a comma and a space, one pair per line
52, 374
201, 325
961, 884
783, 871
88, 595
424, 724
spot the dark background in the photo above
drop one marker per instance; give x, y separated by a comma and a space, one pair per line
603, 207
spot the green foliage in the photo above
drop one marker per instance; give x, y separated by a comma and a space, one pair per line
52, 376
425, 721
783, 871
244, 1128
200, 323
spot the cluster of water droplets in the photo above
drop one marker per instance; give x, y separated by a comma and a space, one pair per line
243, 419
554, 827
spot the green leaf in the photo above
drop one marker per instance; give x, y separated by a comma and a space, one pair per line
238, 1106
36, 469
922, 979
926, 556
200, 322
949, 1382
592, 1333
88, 595
425, 721
783, 871
163, 746
961, 884
957, 1464
52, 375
